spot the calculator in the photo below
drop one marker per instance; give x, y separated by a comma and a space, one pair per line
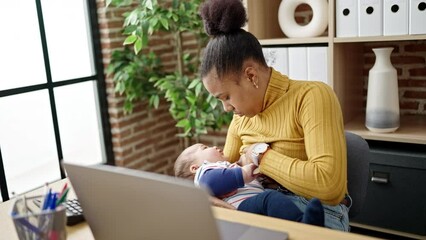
74, 211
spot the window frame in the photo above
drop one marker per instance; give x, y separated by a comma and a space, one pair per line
101, 93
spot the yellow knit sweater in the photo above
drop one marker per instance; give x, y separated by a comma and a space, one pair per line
302, 121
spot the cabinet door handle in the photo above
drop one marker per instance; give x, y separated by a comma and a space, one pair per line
379, 180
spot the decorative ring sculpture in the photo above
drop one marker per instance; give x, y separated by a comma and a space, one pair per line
314, 28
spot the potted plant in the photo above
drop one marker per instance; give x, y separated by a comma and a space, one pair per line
138, 74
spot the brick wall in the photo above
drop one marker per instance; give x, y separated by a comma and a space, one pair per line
146, 138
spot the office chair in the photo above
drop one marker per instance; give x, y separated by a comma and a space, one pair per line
358, 154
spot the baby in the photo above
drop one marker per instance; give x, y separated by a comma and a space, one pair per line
237, 185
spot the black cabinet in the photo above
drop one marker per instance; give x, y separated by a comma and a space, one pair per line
396, 195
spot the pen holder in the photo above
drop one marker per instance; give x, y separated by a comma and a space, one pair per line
33, 224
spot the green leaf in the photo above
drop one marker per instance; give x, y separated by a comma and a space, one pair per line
129, 29
171, 77
213, 103
175, 17
148, 4
138, 46
128, 107
193, 83
198, 89
153, 22
144, 40
191, 99
175, 4
183, 123
156, 101
209, 97
130, 40
186, 57
165, 23
132, 18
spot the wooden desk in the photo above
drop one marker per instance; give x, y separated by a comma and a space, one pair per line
295, 230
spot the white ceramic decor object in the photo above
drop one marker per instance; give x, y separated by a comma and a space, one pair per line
314, 28
382, 113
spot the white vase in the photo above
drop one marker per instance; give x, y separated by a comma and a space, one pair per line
382, 113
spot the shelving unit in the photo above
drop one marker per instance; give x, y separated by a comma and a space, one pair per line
411, 130
401, 154
293, 41
380, 39
346, 65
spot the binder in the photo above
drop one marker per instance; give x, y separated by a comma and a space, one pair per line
277, 58
370, 18
317, 64
297, 63
346, 18
395, 17
417, 16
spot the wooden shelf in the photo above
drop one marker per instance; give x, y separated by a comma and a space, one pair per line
294, 41
411, 130
380, 38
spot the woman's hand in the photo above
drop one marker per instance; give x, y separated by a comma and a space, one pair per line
250, 156
246, 157
220, 203
249, 173
243, 160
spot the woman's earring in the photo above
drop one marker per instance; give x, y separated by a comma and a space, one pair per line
255, 84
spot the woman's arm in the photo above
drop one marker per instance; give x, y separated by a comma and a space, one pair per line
323, 174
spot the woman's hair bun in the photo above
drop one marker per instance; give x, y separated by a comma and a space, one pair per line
223, 16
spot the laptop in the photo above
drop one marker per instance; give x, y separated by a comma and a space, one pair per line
122, 203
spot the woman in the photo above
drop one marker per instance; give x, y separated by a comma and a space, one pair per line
301, 121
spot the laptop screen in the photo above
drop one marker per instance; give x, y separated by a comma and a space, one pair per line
122, 203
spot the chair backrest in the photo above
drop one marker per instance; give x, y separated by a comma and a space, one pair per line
358, 155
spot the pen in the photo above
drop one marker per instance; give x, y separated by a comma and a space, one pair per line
63, 190
52, 203
63, 197
46, 201
46, 192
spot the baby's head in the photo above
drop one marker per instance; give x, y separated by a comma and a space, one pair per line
192, 157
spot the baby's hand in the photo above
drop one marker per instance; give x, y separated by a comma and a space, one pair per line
249, 173
243, 160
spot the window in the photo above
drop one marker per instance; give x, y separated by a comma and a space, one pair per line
52, 92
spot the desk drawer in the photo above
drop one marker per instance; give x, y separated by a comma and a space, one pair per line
396, 196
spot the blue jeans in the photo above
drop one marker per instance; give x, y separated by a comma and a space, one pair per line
336, 217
